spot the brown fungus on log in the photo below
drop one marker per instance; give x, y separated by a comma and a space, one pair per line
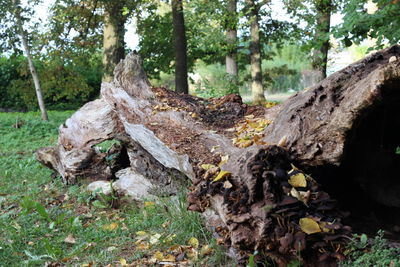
263, 213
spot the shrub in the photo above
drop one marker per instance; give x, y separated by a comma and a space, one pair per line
64, 85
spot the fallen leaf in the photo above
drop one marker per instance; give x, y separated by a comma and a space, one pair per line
224, 159
298, 180
70, 239
283, 141
300, 195
123, 262
149, 203
309, 226
141, 233
206, 250
110, 227
324, 228
251, 116
227, 184
143, 245
154, 239
207, 166
194, 242
169, 238
221, 175
169, 258
158, 256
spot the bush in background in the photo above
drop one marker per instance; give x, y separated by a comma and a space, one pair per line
65, 85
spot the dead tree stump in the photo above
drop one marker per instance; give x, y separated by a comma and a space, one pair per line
247, 164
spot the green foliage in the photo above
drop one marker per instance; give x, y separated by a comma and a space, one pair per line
64, 86
205, 38
214, 81
379, 254
278, 76
383, 26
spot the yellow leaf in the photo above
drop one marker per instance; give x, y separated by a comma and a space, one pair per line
169, 258
143, 246
175, 249
221, 175
206, 250
207, 166
244, 143
170, 238
111, 226
123, 262
224, 159
298, 180
158, 255
309, 226
141, 233
194, 242
149, 203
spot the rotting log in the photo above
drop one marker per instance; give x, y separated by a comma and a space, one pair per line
252, 194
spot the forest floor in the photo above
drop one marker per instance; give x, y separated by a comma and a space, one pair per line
43, 221
46, 223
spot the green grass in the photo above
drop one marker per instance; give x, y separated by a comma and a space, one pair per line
38, 212
378, 254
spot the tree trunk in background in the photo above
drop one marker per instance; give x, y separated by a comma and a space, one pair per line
113, 38
257, 89
181, 82
30, 61
231, 38
320, 54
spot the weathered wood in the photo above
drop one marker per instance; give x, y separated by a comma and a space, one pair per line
168, 137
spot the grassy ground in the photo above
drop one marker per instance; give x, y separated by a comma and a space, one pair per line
43, 221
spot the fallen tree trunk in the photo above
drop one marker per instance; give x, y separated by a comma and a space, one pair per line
241, 159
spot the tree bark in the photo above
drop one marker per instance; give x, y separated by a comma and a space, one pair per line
181, 76
320, 54
253, 197
32, 68
257, 89
113, 38
231, 38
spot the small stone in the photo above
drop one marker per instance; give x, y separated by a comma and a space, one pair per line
392, 59
100, 187
132, 184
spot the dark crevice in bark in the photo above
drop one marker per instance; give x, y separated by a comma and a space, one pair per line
367, 184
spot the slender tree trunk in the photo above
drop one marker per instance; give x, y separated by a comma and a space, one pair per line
231, 38
32, 68
320, 54
257, 89
181, 81
113, 38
